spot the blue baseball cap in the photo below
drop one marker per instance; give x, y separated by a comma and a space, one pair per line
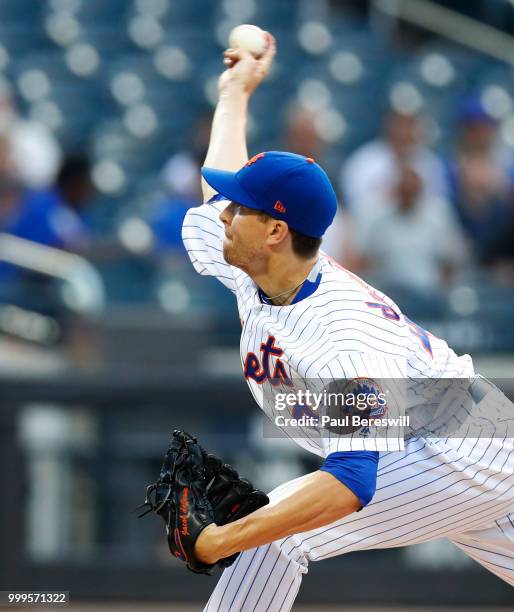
471, 110
286, 186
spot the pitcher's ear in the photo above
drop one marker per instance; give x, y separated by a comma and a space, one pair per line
279, 231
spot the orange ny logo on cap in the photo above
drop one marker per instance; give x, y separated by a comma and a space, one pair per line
253, 159
279, 206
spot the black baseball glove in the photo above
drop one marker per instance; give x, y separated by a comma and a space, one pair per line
196, 489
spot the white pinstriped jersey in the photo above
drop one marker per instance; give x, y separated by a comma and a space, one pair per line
344, 330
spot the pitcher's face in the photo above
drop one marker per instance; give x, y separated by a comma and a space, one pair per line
246, 233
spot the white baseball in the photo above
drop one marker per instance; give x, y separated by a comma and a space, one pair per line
248, 37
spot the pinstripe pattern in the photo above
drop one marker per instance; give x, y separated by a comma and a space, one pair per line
423, 493
461, 488
492, 547
332, 334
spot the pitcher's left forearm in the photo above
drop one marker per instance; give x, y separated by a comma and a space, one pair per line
317, 500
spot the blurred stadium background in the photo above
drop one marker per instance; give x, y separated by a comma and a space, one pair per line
109, 340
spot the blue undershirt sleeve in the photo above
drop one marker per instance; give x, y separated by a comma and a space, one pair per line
355, 469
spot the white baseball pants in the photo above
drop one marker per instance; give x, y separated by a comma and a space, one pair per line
459, 489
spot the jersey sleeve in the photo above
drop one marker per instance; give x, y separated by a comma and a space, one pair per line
355, 469
202, 235
364, 404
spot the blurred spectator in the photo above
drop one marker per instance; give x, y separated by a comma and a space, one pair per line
7, 169
55, 216
302, 137
368, 176
9, 201
9, 187
339, 241
34, 153
300, 134
181, 179
52, 217
480, 177
415, 243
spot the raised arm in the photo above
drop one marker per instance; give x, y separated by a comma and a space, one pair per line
227, 145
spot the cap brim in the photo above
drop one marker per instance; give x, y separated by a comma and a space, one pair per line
226, 184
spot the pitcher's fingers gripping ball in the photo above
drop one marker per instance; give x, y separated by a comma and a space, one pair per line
244, 68
196, 489
248, 37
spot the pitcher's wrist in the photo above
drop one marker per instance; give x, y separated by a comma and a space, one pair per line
234, 90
